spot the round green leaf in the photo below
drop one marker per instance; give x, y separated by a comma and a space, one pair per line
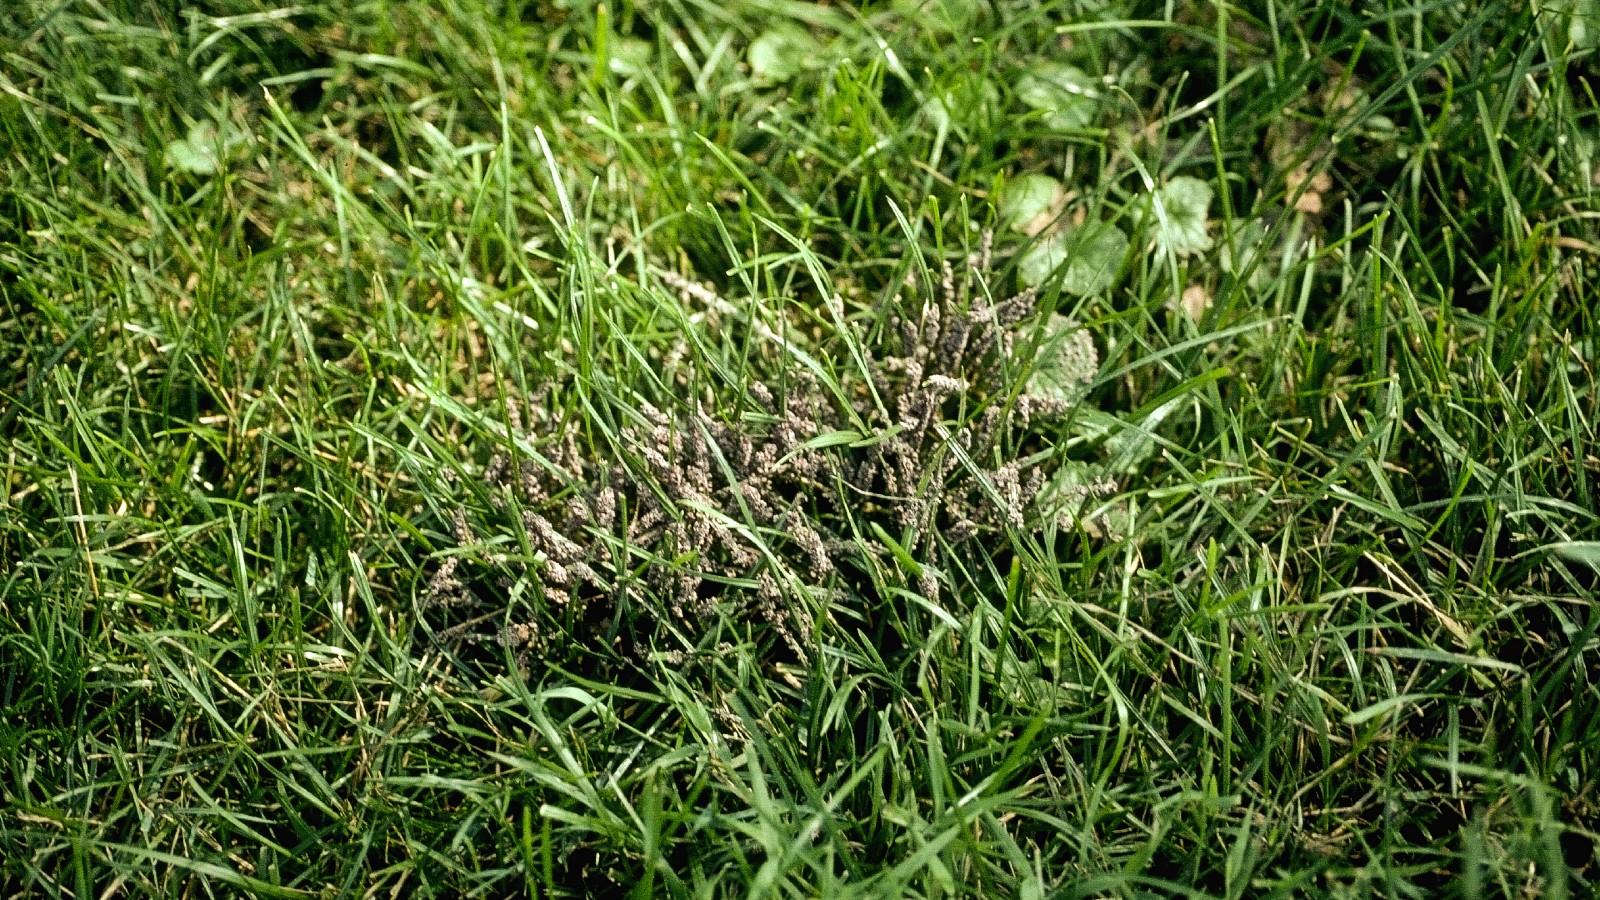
964, 103
782, 53
1031, 202
1186, 201
1245, 251
1098, 249
1067, 96
1129, 448
1066, 364
197, 152
944, 15
630, 56
1072, 490
1583, 24
1088, 259
1042, 260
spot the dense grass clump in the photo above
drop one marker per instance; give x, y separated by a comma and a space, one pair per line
698, 449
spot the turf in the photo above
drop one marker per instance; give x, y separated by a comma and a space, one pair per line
286, 292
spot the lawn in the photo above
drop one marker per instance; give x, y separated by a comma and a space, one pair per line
684, 448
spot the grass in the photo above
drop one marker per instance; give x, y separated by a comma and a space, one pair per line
273, 278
